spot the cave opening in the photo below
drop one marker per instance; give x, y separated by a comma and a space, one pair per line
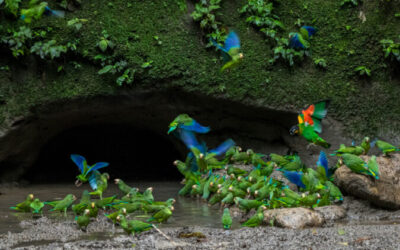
133, 154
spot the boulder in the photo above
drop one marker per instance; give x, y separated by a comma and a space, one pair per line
384, 193
294, 218
331, 213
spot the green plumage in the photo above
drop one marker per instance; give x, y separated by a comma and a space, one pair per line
133, 226
79, 208
123, 186
226, 219
356, 164
36, 206
101, 180
113, 216
255, 220
386, 147
63, 204
310, 135
25, 205
162, 216
373, 167
83, 220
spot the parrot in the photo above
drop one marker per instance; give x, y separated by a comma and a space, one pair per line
310, 123
151, 208
98, 182
301, 40
106, 202
278, 159
113, 216
231, 51
86, 171
63, 204
185, 122
256, 219
386, 148
366, 144
123, 186
334, 191
187, 188
228, 199
356, 164
325, 173
373, 167
247, 204
129, 207
162, 215
186, 172
236, 171
83, 204
294, 177
289, 197
36, 206
37, 10
293, 165
133, 226
355, 150
226, 219
93, 210
309, 200
24, 206
169, 202
83, 220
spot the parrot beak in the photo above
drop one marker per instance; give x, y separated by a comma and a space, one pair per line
116, 181
78, 183
118, 218
294, 130
239, 149
86, 211
172, 208
248, 190
256, 193
31, 196
201, 156
176, 163
73, 197
151, 189
124, 210
241, 56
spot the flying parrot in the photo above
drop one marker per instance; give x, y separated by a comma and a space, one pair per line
325, 173
226, 219
98, 182
37, 10
185, 122
231, 51
86, 171
301, 40
25, 205
310, 123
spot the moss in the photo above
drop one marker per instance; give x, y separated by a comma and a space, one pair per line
181, 61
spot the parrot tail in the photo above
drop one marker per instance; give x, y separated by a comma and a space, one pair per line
14, 208
216, 44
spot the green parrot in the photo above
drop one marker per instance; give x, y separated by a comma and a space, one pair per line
309, 200
79, 208
226, 219
293, 165
228, 199
167, 203
24, 206
123, 186
184, 121
87, 171
83, 220
186, 172
289, 198
247, 205
231, 152
129, 207
257, 219
163, 215
133, 226
278, 159
187, 188
310, 123
366, 145
98, 182
373, 167
334, 191
311, 181
105, 202
93, 210
356, 164
355, 150
113, 216
236, 171
36, 206
268, 169
231, 50
151, 208
386, 148
63, 204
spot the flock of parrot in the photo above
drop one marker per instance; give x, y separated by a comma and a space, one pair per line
132, 202
218, 176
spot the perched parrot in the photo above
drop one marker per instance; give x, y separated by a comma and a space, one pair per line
226, 219
83, 220
256, 219
373, 167
386, 148
129, 207
36, 206
185, 122
123, 186
133, 226
247, 205
106, 202
93, 210
357, 165
310, 123
37, 10
86, 171
113, 216
163, 215
83, 204
354, 150
63, 204
231, 51
294, 177
334, 191
98, 182
301, 40
24, 206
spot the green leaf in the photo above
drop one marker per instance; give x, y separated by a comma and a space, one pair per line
103, 45
106, 69
341, 231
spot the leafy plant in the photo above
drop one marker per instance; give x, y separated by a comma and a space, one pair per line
391, 49
158, 40
283, 52
12, 6
17, 39
320, 62
350, 2
181, 4
76, 23
126, 77
363, 71
48, 49
105, 43
147, 64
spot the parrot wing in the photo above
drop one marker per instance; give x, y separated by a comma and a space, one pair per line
80, 161
195, 127
94, 179
323, 161
223, 147
98, 166
314, 113
232, 41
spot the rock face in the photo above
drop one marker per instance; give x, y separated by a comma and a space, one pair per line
384, 193
294, 218
331, 213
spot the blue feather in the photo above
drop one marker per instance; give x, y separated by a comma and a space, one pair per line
98, 165
79, 161
196, 127
232, 41
323, 161
217, 45
294, 177
223, 147
189, 139
295, 42
311, 30
93, 180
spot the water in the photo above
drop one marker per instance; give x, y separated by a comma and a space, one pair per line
188, 211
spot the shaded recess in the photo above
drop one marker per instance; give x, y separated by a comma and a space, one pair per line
129, 129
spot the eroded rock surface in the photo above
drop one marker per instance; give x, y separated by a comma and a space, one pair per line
384, 193
294, 218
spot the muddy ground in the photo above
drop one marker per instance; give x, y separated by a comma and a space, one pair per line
364, 228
